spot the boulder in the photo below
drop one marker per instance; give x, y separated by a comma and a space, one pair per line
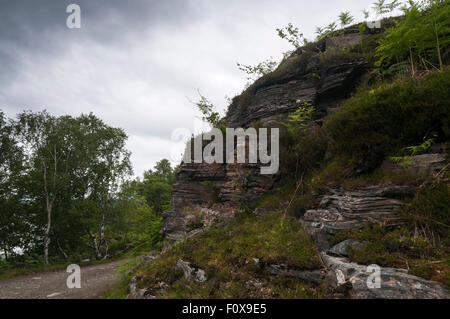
143, 294
191, 273
133, 287
341, 249
393, 283
200, 276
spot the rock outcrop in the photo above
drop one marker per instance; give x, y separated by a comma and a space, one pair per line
313, 276
191, 273
342, 248
425, 164
341, 209
393, 283
272, 100
348, 210
213, 192
208, 194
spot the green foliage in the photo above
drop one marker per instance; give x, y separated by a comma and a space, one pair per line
381, 7
135, 228
33, 260
303, 145
420, 149
208, 110
136, 217
265, 68
326, 31
259, 70
292, 35
15, 231
156, 186
404, 161
377, 122
428, 214
331, 27
62, 187
420, 38
298, 120
366, 13
345, 18
4, 265
119, 290
67, 160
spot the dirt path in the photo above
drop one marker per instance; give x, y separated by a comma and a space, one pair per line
52, 285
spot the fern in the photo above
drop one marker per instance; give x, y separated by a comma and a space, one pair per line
414, 150
404, 161
419, 38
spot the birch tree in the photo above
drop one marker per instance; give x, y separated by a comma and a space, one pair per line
47, 152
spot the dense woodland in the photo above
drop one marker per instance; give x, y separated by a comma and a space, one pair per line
67, 192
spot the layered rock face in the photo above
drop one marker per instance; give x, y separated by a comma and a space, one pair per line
206, 194
341, 209
210, 193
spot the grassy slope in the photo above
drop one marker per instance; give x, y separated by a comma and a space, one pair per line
226, 254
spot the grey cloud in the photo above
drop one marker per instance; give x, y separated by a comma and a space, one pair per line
134, 62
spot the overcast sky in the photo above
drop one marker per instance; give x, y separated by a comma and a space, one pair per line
135, 63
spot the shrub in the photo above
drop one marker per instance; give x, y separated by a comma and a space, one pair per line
304, 143
374, 123
33, 260
4, 265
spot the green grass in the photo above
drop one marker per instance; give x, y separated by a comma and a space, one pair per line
226, 254
119, 290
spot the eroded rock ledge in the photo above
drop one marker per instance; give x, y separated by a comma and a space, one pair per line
341, 209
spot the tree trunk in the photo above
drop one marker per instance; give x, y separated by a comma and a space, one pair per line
48, 204
97, 251
61, 250
102, 233
47, 233
438, 47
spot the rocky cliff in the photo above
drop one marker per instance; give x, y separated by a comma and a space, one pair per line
205, 194
372, 206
